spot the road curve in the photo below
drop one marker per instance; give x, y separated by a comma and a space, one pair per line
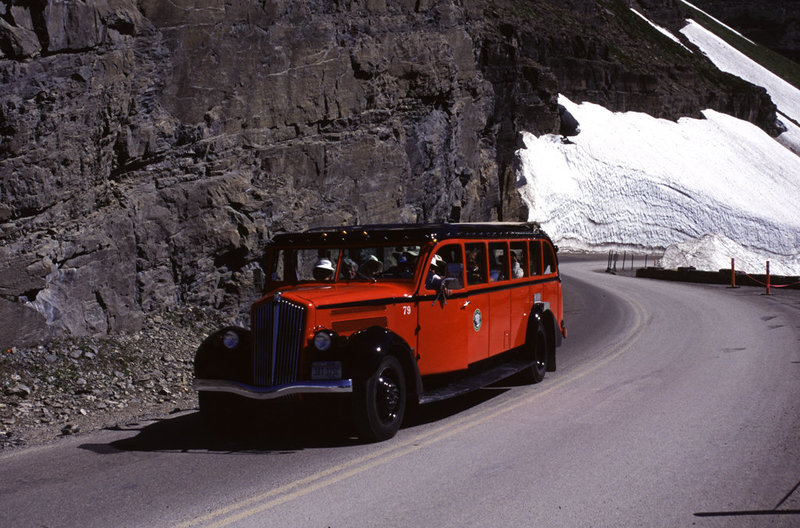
673, 405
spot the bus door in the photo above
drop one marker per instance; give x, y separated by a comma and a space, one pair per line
476, 304
442, 339
521, 298
551, 290
536, 270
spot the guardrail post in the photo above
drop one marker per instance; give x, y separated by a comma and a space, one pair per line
768, 278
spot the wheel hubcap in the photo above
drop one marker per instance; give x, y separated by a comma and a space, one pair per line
541, 353
387, 396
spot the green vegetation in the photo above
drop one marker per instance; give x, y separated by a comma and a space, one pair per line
778, 64
644, 36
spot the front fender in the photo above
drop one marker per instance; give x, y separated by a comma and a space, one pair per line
213, 360
366, 348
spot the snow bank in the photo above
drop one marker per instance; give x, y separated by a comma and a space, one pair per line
662, 30
629, 180
791, 138
705, 189
731, 60
714, 252
720, 22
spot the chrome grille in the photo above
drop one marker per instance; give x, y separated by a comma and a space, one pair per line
277, 340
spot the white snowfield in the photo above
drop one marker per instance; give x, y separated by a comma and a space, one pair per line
707, 189
730, 60
662, 30
713, 250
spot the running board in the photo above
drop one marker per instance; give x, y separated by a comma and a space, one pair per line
470, 382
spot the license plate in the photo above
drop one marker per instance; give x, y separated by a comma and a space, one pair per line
326, 370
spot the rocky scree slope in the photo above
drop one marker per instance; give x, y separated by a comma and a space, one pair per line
148, 149
73, 385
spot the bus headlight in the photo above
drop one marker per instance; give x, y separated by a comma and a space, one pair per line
323, 340
230, 339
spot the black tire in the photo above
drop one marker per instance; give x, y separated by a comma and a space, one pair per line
379, 402
536, 348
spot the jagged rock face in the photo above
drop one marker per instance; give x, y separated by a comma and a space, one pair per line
149, 149
613, 57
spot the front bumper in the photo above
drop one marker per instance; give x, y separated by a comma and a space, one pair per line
269, 393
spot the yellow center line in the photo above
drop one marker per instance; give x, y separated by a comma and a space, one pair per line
332, 475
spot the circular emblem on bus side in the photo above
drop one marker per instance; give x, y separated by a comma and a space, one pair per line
477, 319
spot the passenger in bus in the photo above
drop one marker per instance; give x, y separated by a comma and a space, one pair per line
402, 269
437, 273
516, 269
407, 263
412, 256
495, 270
349, 269
370, 268
474, 275
323, 270
496, 266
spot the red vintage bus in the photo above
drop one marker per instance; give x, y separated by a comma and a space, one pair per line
391, 315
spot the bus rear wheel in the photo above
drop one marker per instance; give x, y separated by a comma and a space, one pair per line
536, 348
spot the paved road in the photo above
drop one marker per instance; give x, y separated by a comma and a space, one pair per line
674, 405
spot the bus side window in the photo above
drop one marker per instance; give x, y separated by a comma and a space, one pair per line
536, 257
498, 261
454, 260
476, 263
519, 260
549, 258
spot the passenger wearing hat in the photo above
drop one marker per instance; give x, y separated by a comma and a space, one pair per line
323, 270
370, 268
406, 261
407, 269
348, 270
437, 275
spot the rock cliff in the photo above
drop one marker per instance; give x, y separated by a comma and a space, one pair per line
149, 149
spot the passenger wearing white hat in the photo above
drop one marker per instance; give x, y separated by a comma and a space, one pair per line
437, 273
370, 268
323, 270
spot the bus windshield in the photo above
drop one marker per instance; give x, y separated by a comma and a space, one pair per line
326, 264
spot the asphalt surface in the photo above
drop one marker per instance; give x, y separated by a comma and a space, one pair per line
673, 405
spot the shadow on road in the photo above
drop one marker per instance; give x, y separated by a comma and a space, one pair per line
285, 429
434, 412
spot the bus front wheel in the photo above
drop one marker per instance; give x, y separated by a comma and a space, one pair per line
379, 402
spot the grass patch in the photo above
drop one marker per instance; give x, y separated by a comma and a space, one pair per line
643, 39
784, 68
